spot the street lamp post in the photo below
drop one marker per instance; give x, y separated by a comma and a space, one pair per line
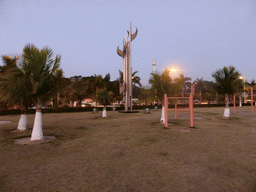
154, 65
240, 103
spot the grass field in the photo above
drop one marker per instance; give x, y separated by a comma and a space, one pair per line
132, 152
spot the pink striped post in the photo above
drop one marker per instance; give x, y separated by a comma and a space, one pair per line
175, 110
191, 108
251, 100
234, 100
165, 111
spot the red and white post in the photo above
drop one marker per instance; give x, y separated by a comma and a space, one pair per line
165, 110
251, 100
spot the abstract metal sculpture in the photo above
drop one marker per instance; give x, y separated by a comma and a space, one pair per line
125, 82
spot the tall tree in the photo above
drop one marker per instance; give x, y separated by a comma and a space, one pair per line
106, 82
199, 87
227, 82
114, 87
98, 83
41, 66
79, 90
251, 84
9, 62
155, 81
181, 83
15, 88
204, 90
136, 79
59, 82
161, 84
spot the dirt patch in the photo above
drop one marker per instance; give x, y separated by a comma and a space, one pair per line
185, 130
188, 117
4, 122
19, 131
27, 141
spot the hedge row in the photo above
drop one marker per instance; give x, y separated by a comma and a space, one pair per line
90, 109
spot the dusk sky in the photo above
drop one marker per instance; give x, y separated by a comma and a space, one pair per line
196, 36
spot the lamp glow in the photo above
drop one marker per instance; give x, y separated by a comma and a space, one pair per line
173, 70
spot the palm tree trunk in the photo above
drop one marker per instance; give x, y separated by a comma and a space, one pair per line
22, 125
226, 101
226, 110
104, 112
37, 132
54, 101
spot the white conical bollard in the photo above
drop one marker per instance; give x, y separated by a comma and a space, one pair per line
162, 120
22, 125
226, 112
37, 132
104, 112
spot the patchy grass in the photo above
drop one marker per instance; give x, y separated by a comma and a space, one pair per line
132, 152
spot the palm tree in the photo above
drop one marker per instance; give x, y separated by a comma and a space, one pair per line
15, 88
40, 66
9, 62
98, 82
155, 81
58, 81
227, 82
182, 83
162, 85
199, 86
105, 98
136, 79
251, 84
79, 90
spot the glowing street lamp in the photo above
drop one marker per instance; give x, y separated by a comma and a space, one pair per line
173, 70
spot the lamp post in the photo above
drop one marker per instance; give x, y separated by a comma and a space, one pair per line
154, 65
240, 104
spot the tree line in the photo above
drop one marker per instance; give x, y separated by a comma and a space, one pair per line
36, 79
43, 82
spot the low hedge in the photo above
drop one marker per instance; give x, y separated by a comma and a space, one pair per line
90, 109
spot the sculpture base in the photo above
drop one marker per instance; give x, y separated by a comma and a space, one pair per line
129, 111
